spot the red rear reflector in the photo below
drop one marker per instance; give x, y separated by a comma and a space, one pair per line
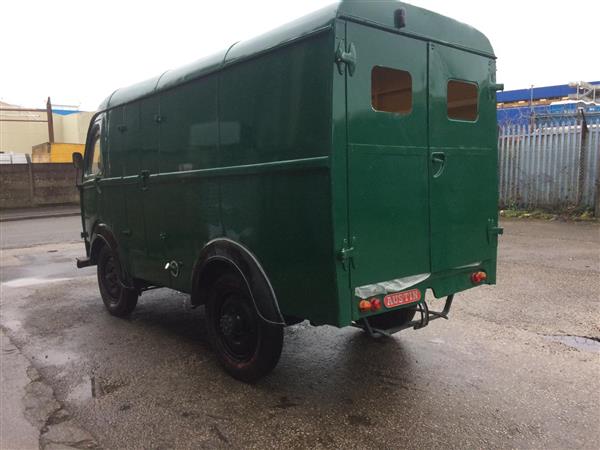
375, 304
402, 298
364, 305
478, 277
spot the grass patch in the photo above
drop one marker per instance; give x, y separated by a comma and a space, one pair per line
572, 214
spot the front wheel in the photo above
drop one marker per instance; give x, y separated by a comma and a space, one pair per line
246, 346
118, 300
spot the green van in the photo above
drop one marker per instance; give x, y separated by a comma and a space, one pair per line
332, 170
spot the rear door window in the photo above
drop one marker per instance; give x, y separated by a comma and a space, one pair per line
391, 90
463, 100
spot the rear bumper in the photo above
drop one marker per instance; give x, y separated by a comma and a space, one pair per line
442, 285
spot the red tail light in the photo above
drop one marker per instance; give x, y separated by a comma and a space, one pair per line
375, 304
364, 306
478, 277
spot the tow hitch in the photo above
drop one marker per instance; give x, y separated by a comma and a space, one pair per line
426, 316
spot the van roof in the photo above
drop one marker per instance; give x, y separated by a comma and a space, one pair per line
420, 24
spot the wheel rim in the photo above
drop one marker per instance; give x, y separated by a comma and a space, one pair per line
110, 278
237, 328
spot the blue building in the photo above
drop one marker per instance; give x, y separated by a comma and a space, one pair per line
521, 106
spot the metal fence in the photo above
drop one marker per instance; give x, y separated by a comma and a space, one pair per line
551, 164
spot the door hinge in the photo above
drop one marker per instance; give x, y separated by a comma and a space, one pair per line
493, 230
347, 253
347, 57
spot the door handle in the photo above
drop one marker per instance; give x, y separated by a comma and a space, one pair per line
144, 175
438, 163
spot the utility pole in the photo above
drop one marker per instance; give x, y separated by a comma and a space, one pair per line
50, 121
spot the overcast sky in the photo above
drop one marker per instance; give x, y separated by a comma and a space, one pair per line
78, 52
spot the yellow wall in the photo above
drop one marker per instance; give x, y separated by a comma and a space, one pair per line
64, 152
55, 153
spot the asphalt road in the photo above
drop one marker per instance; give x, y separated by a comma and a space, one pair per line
26, 233
499, 374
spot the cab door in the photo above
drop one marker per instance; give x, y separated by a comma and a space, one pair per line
386, 84
463, 158
93, 175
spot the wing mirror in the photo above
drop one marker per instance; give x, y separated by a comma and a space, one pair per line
78, 163
78, 160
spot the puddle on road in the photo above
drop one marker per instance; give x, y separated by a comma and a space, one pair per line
584, 344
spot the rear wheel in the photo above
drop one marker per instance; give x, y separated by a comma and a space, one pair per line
118, 300
246, 346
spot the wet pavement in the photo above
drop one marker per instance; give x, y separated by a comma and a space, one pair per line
39, 231
503, 372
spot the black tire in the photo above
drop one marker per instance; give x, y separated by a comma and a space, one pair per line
392, 319
119, 301
245, 345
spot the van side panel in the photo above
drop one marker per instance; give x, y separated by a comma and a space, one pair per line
275, 115
189, 200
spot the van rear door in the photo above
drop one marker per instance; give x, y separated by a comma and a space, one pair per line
388, 155
463, 158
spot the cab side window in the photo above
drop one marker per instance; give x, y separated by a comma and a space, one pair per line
463, 100
94, 154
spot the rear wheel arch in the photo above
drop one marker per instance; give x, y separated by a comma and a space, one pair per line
224, 255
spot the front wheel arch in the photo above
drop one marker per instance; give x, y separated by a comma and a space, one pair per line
101, 236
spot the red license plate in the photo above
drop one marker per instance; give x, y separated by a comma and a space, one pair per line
402, 298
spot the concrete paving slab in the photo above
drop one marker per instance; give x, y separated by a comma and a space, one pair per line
16, 432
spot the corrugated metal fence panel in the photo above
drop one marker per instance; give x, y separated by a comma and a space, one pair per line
545, 165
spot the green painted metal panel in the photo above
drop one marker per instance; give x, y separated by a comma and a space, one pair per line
388, 162
464, 196
276, 107
152, 258
275, 110
189, 139
420, 23
134, 234
117, 155
339, 182
197, 69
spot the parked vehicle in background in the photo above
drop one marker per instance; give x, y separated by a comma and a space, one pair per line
332, 170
